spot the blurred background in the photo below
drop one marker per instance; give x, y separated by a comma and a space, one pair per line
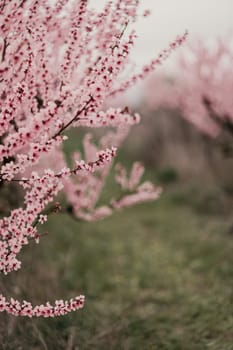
158, 275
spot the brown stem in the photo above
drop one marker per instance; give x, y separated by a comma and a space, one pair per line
3, 5
224, 123
22, 3
75, 118
5, 45
121, 35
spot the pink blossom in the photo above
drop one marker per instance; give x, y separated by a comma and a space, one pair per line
201, 88
59, 65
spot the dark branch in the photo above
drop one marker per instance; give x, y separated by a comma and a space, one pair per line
223, 122
75, 118
5, 45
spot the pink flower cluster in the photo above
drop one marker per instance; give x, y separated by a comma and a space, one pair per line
201, 88
135, 192
60, 62
25, 308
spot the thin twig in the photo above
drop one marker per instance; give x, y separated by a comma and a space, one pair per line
37, 331
5, 45
225, 122
70, 342
75, 118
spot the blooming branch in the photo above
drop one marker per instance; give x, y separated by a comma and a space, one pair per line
59, 64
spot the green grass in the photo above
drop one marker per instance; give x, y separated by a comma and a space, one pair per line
156, 276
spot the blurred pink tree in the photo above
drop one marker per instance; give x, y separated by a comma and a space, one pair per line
60, 63
201, 87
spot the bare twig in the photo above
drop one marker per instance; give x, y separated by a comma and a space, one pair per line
225, 122
70, 342
40, 337
5, 45
75, 118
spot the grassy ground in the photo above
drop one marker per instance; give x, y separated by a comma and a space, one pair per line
156, 276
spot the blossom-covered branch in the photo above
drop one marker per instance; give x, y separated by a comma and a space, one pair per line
59, 64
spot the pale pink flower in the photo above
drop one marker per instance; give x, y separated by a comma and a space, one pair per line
59, 65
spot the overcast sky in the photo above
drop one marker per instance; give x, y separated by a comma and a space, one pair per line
205, 18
